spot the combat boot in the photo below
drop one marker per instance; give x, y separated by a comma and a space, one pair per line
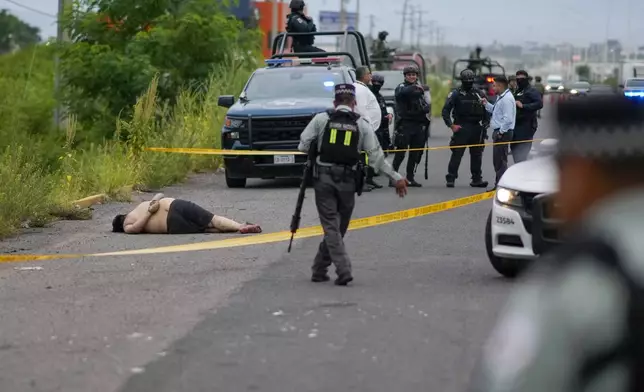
478, 184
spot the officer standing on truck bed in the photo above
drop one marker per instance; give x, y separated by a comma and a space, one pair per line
464, 114
410, 132
577, 323
297, 22
341, 134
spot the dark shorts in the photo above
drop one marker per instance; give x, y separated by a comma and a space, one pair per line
185, 217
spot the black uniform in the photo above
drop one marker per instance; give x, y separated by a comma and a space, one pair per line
411, 111
463, 108
382, 133
297, 22
526, 121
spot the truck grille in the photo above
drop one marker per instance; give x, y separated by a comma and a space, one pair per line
278, 129
546, 227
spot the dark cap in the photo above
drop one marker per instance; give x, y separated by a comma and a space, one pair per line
345, 89
522, 73
501, 79
610, 127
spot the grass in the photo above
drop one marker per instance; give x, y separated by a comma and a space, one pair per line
439, 91
43, 169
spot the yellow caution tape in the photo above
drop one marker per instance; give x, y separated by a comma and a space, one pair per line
306, 232
214, 151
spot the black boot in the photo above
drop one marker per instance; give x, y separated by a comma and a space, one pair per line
343, 279
320, 278
478, 183
374, 184
414, 184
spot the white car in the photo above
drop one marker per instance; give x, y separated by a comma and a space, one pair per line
554, 84
518, 219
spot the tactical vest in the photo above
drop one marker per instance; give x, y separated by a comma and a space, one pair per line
414, 109
310, 28
467, 108
340, 139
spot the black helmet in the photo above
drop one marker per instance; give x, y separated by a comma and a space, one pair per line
377, 79
382, 35
410, 69
296, 5
467, 75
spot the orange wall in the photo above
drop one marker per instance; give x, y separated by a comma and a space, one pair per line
265, 9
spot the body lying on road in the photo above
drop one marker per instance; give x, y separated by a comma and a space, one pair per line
165, 215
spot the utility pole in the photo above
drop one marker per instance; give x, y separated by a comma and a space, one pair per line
372, 25
412, 25
60, 37
343, 14
357, 15
403, 23
432, 28
275, 22
420, 26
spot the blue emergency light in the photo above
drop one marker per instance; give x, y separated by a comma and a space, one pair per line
278, 61
634, 94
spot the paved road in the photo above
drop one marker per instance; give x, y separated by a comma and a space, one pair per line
248, 319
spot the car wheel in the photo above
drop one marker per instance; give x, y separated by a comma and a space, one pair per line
507, 267
235, 182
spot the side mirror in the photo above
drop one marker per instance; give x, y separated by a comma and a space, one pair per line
621, 86
226, 101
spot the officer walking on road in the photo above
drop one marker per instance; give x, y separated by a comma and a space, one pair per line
382, 133
411, 125
529, 102
297, 22
578, 323
341, 135
466, 116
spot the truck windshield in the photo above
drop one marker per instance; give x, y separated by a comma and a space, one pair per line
293, 83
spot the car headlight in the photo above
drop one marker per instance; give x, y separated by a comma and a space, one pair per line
232, 135
560, 88
509, 197
574, 92
234, 123
548, 87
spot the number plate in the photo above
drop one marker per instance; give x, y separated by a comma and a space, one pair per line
283, 159
504, 221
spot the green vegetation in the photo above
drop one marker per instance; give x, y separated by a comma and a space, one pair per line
439, 89
151, 80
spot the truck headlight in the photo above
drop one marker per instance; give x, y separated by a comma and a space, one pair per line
232, 135
548, 87
508, 197
573, 92
560, 88
234, 123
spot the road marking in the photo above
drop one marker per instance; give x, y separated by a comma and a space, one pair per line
215, 151
305, 232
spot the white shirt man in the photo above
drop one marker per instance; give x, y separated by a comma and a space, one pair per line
366, 103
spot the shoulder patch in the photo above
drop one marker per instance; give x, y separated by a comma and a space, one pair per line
300, 20
450, 94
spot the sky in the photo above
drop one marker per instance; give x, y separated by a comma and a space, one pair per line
463, 22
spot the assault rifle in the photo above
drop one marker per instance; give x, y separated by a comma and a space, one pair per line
306, 179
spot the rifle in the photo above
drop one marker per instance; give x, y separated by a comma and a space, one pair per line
426, 148
306, 178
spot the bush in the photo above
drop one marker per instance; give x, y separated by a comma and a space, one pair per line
123, 95
439, 89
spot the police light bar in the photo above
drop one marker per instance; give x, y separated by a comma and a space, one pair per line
633, 94
278, 61
317, 60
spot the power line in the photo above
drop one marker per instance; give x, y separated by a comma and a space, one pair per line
404, 21
31, 9
420, 26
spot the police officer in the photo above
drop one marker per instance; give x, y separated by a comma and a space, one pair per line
577, 322
464, 114
341, 135
529, 102
380, 50
297, 22
541, 89
411, 112
382, 133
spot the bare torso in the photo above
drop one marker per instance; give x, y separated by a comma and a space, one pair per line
158, 222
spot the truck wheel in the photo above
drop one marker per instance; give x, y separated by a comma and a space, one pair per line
235, 182
507, 267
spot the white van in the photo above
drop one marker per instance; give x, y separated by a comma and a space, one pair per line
554, 84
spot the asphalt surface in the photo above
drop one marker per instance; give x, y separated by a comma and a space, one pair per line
248, 318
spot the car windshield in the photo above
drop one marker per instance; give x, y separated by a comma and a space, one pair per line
635, 83
309, 83
554, 81
392, 79
601, 89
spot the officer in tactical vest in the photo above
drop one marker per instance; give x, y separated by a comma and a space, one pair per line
297, 22
464, 114
380, 51
339, 136
411, 122
529, 102
577, 323
382, 133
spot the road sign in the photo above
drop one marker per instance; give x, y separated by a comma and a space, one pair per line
331, 21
